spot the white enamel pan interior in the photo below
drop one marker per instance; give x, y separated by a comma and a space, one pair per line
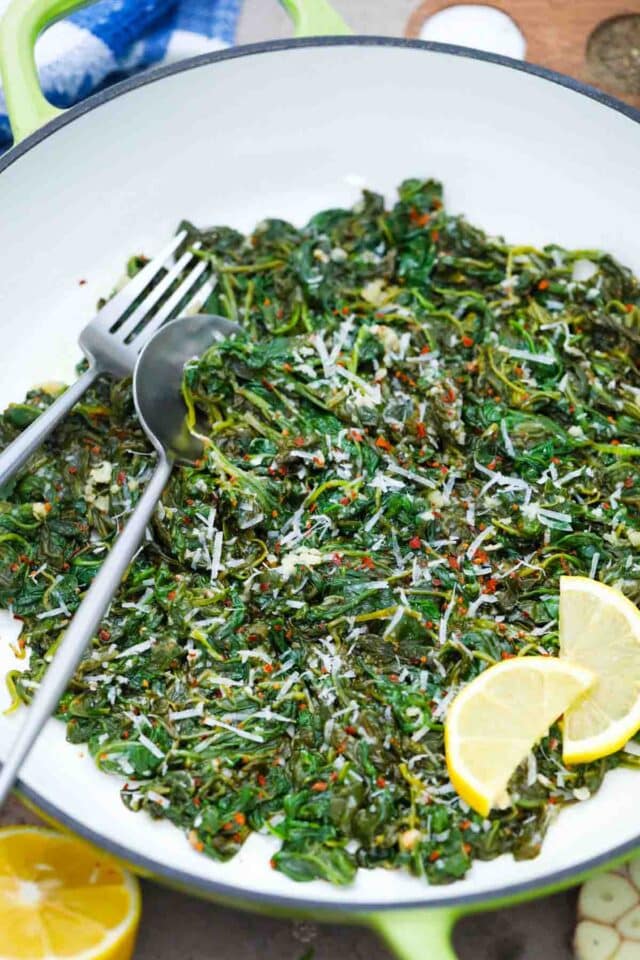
286, 129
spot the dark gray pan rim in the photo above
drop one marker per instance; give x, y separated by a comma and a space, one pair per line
232, 893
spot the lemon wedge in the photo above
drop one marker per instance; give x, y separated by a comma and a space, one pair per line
61, 898
600, 629
495, 720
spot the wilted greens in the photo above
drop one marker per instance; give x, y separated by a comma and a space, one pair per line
420, 431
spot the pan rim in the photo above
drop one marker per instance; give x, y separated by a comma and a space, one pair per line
230, 892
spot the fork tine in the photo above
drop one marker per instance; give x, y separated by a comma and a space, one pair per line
170, 304
199, 298
118, 304
153, 297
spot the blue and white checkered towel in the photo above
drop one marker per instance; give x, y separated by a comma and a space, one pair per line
112, 39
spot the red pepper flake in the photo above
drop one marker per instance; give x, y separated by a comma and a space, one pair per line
240, 818
417, 218
415, 543
171, 595
421, 430
490, 586
465, 824
467, 341
449, 396
268, 668
383, 444
356, 436
351, 730
319, 786
121, 479
394, 677
73, 470
262, 780
435, 235
336, 560
434, 855
425, 349
543, 284
454, 563
615, 443
629, 307
553, 800
505, 655
264, 587
466, 848
345, 501
104, 635
381, 782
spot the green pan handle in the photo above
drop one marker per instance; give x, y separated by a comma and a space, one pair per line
420, 934
20, 26
24, 20
313, 18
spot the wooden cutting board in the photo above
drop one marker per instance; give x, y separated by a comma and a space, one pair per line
596, 41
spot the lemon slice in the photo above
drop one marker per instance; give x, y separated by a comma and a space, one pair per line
496, 719
61, 898
600, 629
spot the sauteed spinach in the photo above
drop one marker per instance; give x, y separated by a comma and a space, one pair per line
420, 431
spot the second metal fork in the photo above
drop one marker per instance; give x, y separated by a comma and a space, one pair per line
112, 341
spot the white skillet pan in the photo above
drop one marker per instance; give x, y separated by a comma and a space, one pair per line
286, 129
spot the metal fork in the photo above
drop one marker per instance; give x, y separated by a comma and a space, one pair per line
112, 341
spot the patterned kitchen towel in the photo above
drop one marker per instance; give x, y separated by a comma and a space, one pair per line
112, 39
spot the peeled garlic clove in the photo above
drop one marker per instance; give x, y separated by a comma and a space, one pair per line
629, 925
595, 941
606, 898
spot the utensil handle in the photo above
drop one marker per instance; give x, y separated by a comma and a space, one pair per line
418, 934
83, 626
20, 26
312, 18
18, 452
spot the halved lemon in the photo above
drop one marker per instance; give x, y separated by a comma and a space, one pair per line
600, 629
61, 898
495, 720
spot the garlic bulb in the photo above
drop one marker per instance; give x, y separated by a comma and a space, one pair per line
609, 916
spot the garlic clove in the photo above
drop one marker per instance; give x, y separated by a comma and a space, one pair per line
629, 925
606, 898
595, 941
